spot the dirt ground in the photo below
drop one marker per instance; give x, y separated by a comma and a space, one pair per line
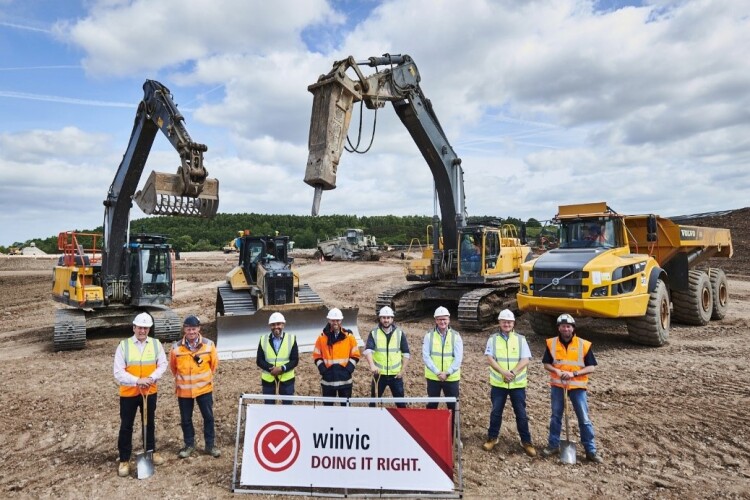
671, 422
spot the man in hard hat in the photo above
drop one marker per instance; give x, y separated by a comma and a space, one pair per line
387, 353
336, 355
193, 361
442, 353
277, 357
569, 359
139, 363
508, 355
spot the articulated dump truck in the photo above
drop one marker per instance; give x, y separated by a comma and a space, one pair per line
627, 266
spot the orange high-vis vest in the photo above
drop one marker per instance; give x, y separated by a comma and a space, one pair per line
139, 364
340, 352
570, 360
190, 378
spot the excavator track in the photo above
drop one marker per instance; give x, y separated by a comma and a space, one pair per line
70, 330
167, 325
406, 301
479, 308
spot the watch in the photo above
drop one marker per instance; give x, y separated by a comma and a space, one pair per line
575, 374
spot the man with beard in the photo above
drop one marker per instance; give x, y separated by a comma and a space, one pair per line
277, 357
336, 355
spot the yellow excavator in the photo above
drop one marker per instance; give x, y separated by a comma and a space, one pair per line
105, 279
472, 269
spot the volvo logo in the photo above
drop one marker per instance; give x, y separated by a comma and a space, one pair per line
555, 281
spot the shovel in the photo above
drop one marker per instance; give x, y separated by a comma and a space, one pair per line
144, 462
567, 447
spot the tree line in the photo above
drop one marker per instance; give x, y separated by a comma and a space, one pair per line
188, 234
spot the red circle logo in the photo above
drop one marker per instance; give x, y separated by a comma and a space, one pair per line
277, 446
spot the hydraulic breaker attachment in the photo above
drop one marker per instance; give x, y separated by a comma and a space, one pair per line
333, 96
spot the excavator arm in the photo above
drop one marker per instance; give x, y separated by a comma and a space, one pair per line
190, 192
334, 95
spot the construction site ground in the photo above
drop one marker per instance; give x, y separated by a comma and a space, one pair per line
671, 422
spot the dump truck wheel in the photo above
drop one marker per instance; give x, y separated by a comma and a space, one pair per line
720, 293
694, 306
653, 328
543, 324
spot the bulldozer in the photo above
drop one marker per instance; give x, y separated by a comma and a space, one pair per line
644, 269
354, 245
232, 245
105, 279
263, 282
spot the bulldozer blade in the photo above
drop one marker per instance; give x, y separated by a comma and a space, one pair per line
237, 336
163, 194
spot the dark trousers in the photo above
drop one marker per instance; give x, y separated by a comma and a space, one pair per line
336, 392
285, 389
206, 406
448, 389
395, 383
499, 395
128, 409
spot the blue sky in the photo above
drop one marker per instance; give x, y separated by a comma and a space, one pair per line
640, 104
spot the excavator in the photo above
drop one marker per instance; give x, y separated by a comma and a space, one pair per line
105, 279
471, 268
263, 282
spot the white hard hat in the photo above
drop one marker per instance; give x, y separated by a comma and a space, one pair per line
386, 311
144, 319
335, 313
276, 317
441, 311
507, 315
566, 319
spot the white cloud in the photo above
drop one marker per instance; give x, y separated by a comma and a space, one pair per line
546, 101
125, 37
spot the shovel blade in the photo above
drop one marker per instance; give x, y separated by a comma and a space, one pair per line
568, 452
144, 465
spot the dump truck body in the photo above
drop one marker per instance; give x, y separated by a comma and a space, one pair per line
614, 266
354, 245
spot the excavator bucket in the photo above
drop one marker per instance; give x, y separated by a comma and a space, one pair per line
238, 336
163, 194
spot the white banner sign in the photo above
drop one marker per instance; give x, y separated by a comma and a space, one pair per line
347, 447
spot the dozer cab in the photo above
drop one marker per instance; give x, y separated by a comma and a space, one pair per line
262, 283
105, 279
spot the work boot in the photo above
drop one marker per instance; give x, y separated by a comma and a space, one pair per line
124, 469
490, 444
213, 451
157, 459
186, 451
593, 457
548, 452
529, 449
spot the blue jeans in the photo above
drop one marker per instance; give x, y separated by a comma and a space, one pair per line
285, 389
499, 395
580, 405
205, 405
395, 383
